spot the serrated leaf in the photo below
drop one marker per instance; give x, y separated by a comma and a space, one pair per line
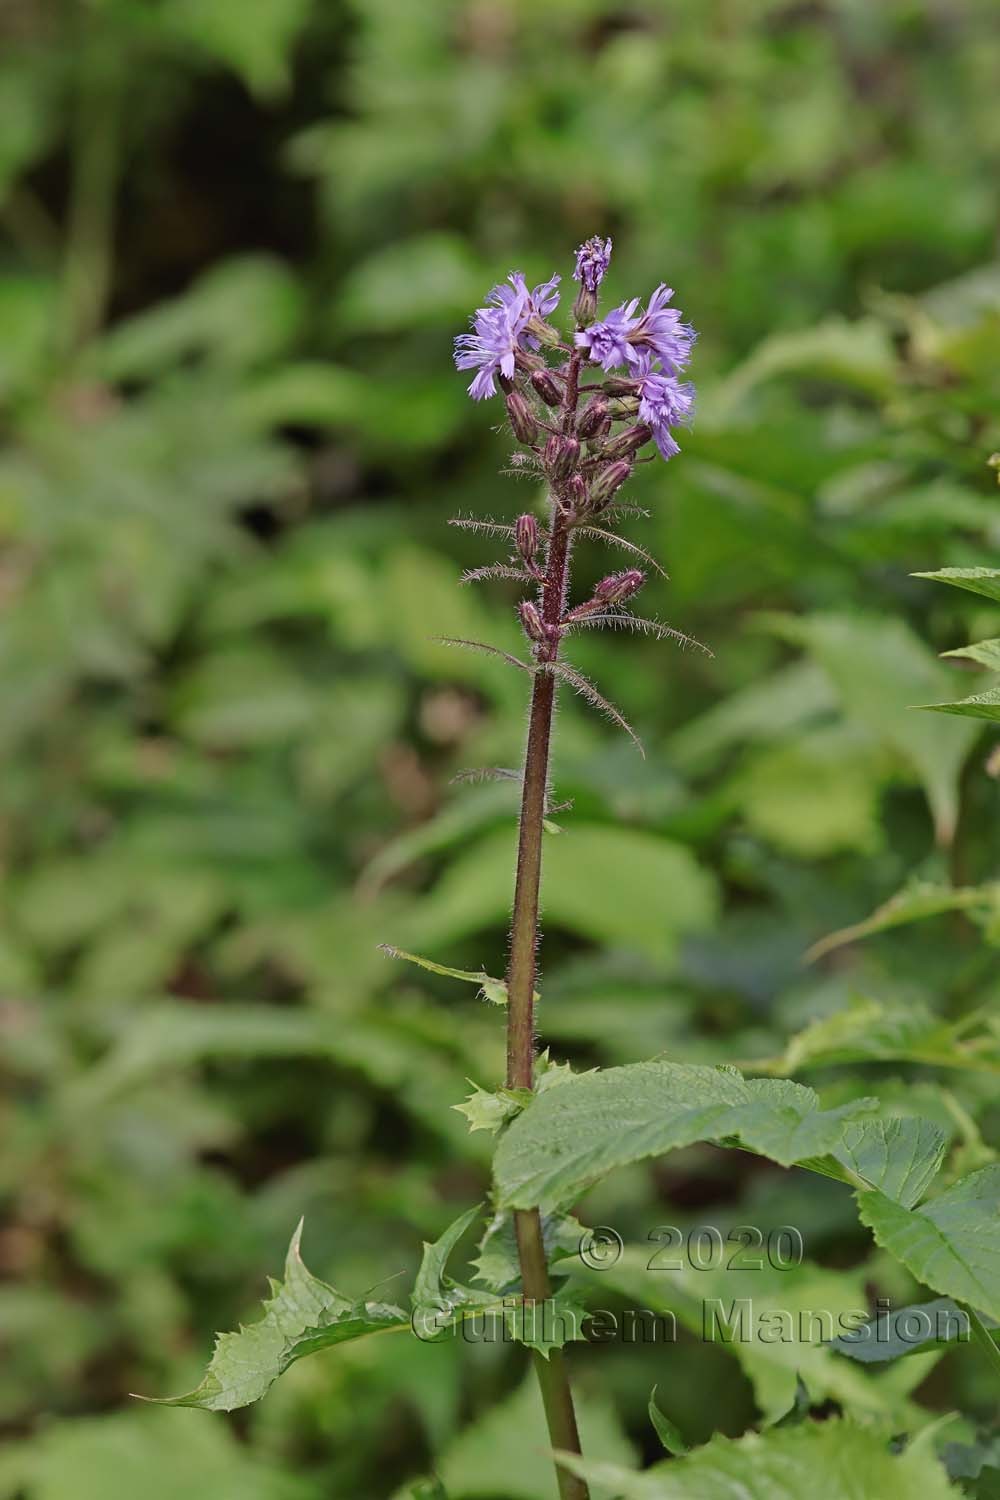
303, 1316
979, 706
848, 1462
572, 1135
985, 581
668, 1434
952, 1243
900, 1157
798, 1412
489, 1111
906, 1330
432, 1286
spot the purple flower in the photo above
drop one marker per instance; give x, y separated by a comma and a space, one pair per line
607, 342
624, 336
500, 329
489, 349
661, 330
592, 260
664, 402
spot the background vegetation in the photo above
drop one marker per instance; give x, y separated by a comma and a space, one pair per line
237, 241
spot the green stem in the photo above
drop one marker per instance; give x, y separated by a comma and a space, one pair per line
553, 1379
90, 228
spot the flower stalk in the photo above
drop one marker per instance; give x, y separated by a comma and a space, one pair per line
584, 463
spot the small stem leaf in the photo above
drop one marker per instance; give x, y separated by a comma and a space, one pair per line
486, 773
597, 533
668, 1434
303, 1316
454, 640
495, 570
493, 990
587, 690
622, 620
482, 524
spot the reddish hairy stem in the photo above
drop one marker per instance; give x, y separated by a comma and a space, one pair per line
557, 1396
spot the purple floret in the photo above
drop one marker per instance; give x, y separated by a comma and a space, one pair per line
665, 402
592, 260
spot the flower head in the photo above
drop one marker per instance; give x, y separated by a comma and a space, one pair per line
592, 260
626, 335
500, 329
665, 402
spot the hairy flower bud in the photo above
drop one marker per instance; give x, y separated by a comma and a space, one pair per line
608, 481
619, 586
618, 385
585, 306
547, 386
522, 418
574, 495
544, 332
532, 622
628, 441
593, 418
561, 456
526, 536
623, 406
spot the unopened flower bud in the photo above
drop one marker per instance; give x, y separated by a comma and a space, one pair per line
628, 441
608, 481
574, 494
522, 418
585, 306
562, 454
526, 536
547, 386
619, 586
592, 418
532, 622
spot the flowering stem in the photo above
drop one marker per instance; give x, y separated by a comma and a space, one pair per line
552, 1376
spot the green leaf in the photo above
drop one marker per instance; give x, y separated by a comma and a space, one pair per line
986, 653
493, 990
668, 1434
984, 581
303, 1316
489, 1111
253, 37
906, 1330
798, 1412
497, 1265
838, 1459
979, 706
900, 1157
573, 1135
432, 1287
914, 903
952, 1243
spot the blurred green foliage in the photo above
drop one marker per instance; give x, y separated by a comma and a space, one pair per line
237, 241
